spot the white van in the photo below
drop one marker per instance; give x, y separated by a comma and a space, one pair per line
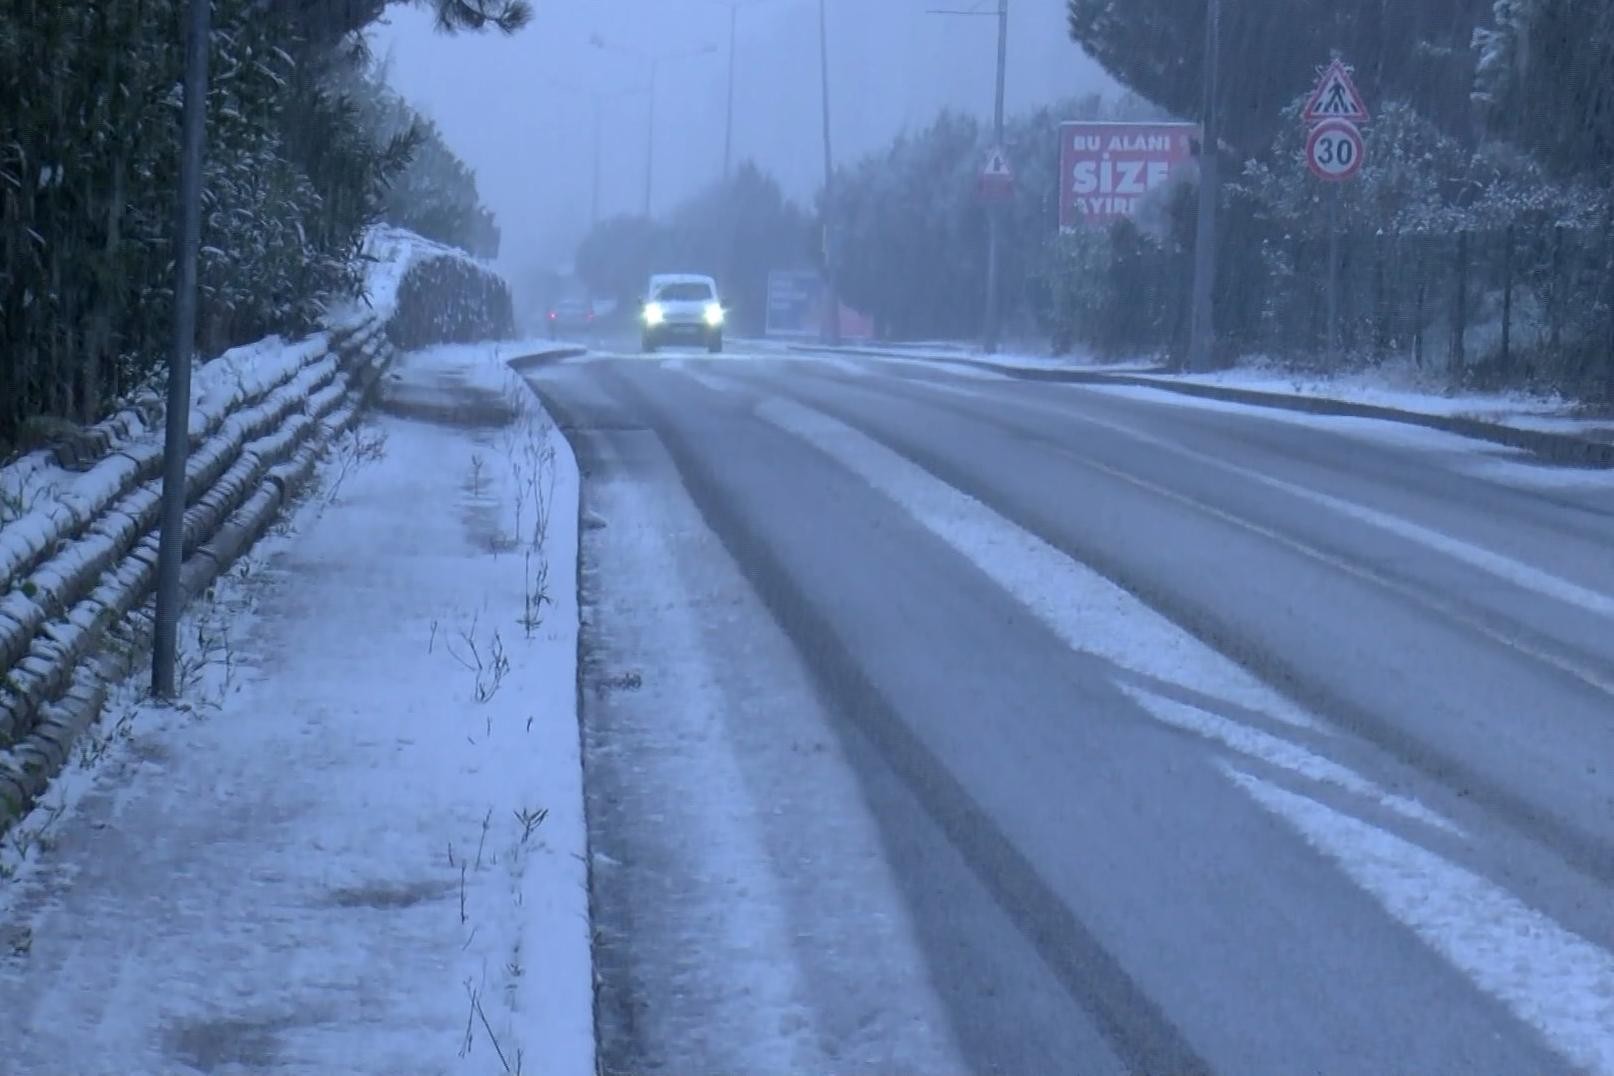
682, 308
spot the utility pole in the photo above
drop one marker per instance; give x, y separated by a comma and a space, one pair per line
1202, 320
176, 444
831, 296
994, 211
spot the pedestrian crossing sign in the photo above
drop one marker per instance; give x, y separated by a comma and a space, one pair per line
1336, 97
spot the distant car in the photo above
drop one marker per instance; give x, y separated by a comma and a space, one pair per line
682, 308
571, 316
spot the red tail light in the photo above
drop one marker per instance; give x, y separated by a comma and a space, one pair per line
551, 315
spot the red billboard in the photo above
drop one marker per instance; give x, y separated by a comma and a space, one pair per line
1105, 169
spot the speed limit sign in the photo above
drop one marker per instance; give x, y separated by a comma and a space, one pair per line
1335, 150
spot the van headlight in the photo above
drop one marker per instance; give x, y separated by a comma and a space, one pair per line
714, 315
654, 314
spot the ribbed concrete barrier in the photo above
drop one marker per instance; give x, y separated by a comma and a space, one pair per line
78, 566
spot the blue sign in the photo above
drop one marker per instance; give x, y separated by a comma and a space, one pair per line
795, 303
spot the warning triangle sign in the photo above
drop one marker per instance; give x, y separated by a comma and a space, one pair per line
997, 165
1336, 97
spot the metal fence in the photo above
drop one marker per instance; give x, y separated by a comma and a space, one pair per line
1495, 307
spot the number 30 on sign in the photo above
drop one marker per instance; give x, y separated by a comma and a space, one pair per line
1334, 151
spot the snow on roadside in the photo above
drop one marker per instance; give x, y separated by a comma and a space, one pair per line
394, 251
1401, 385
361, 849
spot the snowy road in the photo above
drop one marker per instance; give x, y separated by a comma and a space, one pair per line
954, 724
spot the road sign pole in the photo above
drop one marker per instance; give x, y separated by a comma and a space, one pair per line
1335, 152
1333, 274
176, 444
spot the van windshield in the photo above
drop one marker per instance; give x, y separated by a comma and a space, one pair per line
688, 292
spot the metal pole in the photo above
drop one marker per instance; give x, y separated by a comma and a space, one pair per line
650, 138
1202, 319
1333, 274
187, 240
594, 195
728, 123
994, 212
830, 294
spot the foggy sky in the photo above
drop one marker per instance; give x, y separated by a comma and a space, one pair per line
516, 108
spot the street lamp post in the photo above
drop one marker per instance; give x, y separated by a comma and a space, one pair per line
654, 59
650, 137
176, 444
594, 187
831, 296
734, 7
597, 101
728, 116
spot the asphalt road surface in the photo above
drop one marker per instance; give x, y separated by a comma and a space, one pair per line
938, 722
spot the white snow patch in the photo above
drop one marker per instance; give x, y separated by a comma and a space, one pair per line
1401, 385
745, 1002
1281, 753
395, 251
1554, 980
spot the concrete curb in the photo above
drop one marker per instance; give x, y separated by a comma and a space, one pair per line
544, 358
1558, 448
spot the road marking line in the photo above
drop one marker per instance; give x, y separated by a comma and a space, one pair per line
846, 366
1554, 980
714, 382
1498, 565
1066, 595
1279, 752
1587, 675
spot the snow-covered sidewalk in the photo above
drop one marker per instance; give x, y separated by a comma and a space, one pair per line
360, 847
